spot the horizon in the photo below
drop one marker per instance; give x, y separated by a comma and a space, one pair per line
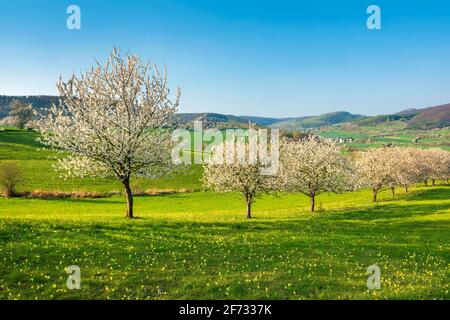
290, 60
269, 117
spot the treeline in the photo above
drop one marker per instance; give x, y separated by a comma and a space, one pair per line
372, 121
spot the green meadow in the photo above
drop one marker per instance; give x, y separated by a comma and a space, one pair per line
199, 245
394, 133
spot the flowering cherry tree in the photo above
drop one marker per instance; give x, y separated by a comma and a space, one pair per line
236, 175
431, 164
112, 121
314, 165
376, 170
439, 164
406, 167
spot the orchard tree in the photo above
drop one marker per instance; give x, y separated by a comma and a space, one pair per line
407, 168
439, 164
375, 169
432, 164
403, 167
245, 177
21, 113
424, 164
113, 120
314, 165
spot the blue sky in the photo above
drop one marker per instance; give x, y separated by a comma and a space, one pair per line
266, 58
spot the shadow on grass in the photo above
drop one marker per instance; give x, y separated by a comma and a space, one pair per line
23, 137
441, 192
389, 211
433, 193
68, 200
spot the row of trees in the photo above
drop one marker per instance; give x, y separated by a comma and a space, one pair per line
314, 165
400, 167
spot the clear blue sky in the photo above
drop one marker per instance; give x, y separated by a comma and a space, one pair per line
267, 58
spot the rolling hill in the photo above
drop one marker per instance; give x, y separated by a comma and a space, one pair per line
433, 117
210, 120
263, 121
222, 121
426, 118
316, 121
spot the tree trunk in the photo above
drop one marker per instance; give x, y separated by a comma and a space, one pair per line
129, 195
312, 198
374, 195
406, 188
426, 183
393, 191
248, 203
434, 182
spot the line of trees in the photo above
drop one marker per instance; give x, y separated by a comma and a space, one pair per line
400, 167
314, 165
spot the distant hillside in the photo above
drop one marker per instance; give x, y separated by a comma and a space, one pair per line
427, 118
372, 121
433, 117
264, 121
222, 121
317, 121
37, 101
210, 120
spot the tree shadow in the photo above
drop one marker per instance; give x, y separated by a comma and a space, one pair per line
389, 212
433, 193
22, 137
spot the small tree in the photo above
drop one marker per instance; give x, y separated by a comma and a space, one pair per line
375, 169
439, 164
407, 167
403, 167
10, 177
314, 165
236, 176
113, 121
21, 113
423, 162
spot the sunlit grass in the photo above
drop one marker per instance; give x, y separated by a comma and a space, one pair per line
200, 245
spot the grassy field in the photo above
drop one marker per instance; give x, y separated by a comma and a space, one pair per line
37, 166
200, 246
